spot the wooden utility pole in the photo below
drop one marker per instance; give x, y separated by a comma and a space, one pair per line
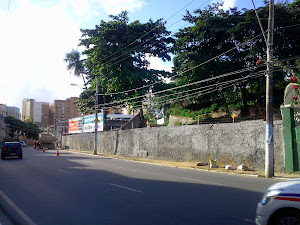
269, 151
96, 117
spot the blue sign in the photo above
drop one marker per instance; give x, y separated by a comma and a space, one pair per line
89, 123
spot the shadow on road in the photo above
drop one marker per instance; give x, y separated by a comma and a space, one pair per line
62, 190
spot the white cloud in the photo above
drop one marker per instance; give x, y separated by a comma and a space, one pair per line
227, 3
33, 44
114, 7
89, 8
157, 64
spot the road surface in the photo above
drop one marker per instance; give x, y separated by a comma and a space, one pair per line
76, 188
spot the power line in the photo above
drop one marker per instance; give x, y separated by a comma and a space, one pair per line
197, 82
146, 41
238, 80
207, 91
221, 86
262, 29
185, 85
201, 64
147, 32
258, 74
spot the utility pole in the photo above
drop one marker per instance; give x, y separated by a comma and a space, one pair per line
96, 118
269, 151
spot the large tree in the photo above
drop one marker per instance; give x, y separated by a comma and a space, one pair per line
214, 31
16, 126
116, 53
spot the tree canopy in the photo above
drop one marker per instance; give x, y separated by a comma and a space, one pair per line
16, 126
220, 58
215, 31
116, 53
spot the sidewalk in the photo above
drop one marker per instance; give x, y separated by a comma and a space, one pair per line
193, 165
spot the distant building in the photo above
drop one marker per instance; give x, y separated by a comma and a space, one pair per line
27, 109
4, 112
14, 112
47, 116
61, 111
37, 112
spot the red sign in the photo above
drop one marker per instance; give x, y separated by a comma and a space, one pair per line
73, 125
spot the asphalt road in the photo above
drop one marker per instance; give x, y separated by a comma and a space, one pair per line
76, 188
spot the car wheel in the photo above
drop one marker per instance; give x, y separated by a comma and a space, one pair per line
21, 156
290, 216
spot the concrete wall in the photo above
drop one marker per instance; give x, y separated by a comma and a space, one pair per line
234, 143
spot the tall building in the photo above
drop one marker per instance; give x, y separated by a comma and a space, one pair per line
38, 112
7, 111
13, 111
3, 113
45, 115
63, 110
27, 109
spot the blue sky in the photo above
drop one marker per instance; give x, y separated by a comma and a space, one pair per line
36, 35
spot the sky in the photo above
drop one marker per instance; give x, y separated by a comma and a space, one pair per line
36, 35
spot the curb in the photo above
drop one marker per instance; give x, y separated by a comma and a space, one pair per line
279, 178
16, 215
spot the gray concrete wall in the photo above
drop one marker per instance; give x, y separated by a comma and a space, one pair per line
233, 144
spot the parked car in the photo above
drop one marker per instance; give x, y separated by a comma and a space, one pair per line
23, 144
280, 204
11, 149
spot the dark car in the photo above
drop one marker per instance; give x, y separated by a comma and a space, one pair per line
11, 149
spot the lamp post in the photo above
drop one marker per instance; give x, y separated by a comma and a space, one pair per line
76, 85
96, 114
269, 149
96, 117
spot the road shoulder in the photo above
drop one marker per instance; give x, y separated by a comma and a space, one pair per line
193, 165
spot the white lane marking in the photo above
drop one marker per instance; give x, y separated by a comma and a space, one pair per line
88, 161
119, 167
202, 181
130, 189
64, 171
19, 212
248, 220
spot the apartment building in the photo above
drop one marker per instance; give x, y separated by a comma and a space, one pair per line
3, 113
7, 111
38, 112
27, 109
14, 112
63, 110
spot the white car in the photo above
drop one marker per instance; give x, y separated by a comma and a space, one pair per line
280, 204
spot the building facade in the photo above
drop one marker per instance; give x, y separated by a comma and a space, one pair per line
37, 112
27, 109
4, 112
50, 117
61, 111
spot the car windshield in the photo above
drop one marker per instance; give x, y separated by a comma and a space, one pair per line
12, 144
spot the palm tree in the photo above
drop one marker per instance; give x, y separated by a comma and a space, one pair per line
75, 64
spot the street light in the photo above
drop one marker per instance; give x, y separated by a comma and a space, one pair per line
76, 85
96, 114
